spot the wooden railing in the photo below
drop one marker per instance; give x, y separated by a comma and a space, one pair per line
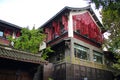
92, 64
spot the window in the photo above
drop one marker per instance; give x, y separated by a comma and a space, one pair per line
1, 34
81, 52
97, 57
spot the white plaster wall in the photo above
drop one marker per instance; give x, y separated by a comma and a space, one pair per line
14, 35
70, 26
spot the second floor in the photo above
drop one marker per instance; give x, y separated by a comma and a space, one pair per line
80, 23
8, 29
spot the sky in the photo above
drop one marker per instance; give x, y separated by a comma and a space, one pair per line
35, 12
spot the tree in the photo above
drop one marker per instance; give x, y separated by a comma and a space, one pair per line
30, 41
111, 21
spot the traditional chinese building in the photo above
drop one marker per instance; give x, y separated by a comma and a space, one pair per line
8, 29
15, 64
76, 36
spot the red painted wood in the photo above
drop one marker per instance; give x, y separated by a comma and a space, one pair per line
65, 22
49, 33
4, 41
56, 26
18, 34
86, 26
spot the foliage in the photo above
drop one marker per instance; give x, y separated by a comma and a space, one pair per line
111, 21
105, 4
50, 79
29, 40
45, 52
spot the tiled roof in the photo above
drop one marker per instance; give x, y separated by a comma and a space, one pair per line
13, 54
10, 24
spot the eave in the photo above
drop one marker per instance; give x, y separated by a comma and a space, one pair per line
9, 53
10, 25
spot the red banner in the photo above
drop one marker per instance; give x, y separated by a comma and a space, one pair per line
56, 27
7, 32
65, 22
18, 34
49, 32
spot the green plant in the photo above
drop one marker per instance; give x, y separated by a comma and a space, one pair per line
50, 79
46, 51
29, 40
